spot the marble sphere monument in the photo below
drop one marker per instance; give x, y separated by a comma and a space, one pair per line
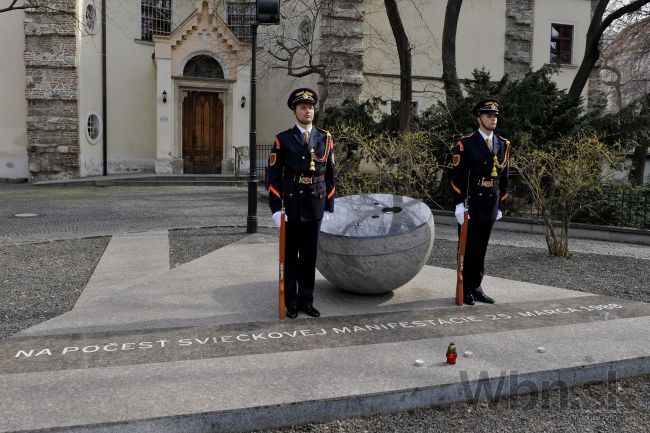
375, 243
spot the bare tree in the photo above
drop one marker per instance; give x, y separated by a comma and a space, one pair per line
42, 5
296, 46
625, 58
625, 70
599, 24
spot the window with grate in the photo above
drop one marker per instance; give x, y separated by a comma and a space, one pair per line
304, 31
155, 18
89, 18
240, 17
561, 43
93, 127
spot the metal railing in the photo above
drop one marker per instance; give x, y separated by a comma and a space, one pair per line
612, 205
263, 150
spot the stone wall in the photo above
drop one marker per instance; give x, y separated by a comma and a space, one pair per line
52, 90
518, 55
342, 49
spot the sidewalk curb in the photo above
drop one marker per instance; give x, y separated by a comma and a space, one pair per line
576, 231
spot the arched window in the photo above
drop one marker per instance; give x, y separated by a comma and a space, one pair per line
203, 66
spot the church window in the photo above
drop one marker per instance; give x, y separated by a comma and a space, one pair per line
203, 66
304, 31
155, 18
90, 16
93, 127
241, 14
561, 43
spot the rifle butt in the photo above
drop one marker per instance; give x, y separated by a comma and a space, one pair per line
281, 307
461, 259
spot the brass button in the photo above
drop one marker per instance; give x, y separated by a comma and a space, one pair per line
300, 192
303, 157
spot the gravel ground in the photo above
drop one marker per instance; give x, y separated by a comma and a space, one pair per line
622, 277
42, 289
42, 281
186, 245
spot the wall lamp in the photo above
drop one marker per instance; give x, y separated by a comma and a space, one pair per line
164, 96
243, 101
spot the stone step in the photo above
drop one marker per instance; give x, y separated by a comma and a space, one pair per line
170, 182
154, 180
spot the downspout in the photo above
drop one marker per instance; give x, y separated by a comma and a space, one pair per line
104, 104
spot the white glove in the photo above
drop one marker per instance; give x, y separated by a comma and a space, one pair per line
460, 213
326, 216
277, 217
499, 215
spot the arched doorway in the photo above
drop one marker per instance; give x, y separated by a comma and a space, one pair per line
202, 120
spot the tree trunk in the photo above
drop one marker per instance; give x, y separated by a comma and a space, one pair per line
582, 76
637, 171
453, 92
404, 53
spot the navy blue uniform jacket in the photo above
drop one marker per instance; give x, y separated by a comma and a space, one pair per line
471, 175
289, 160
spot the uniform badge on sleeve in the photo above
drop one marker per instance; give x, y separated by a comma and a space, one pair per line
456, 160
272, 159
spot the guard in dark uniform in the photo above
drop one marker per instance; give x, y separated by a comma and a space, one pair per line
479, 181
301, 180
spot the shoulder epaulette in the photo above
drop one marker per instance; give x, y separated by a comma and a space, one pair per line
504, 139
323, 130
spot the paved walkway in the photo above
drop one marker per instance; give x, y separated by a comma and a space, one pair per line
75, 212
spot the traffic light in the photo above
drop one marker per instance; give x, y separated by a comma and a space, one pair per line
268, 11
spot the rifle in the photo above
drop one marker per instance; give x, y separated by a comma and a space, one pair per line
461, 259
281, 308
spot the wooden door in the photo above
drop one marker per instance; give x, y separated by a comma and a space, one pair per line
202, 133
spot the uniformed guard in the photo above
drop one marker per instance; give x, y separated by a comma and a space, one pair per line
479, 180
301, 181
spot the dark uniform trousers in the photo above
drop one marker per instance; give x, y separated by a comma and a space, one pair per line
478, 236
300, 261
473, 178
305, 190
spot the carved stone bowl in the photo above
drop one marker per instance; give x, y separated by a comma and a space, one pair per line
375, 243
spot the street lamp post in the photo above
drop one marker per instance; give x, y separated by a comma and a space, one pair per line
267, 12
251, 221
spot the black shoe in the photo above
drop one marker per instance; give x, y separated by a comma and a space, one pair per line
468, 299
482, 297
292, 312
310, 310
